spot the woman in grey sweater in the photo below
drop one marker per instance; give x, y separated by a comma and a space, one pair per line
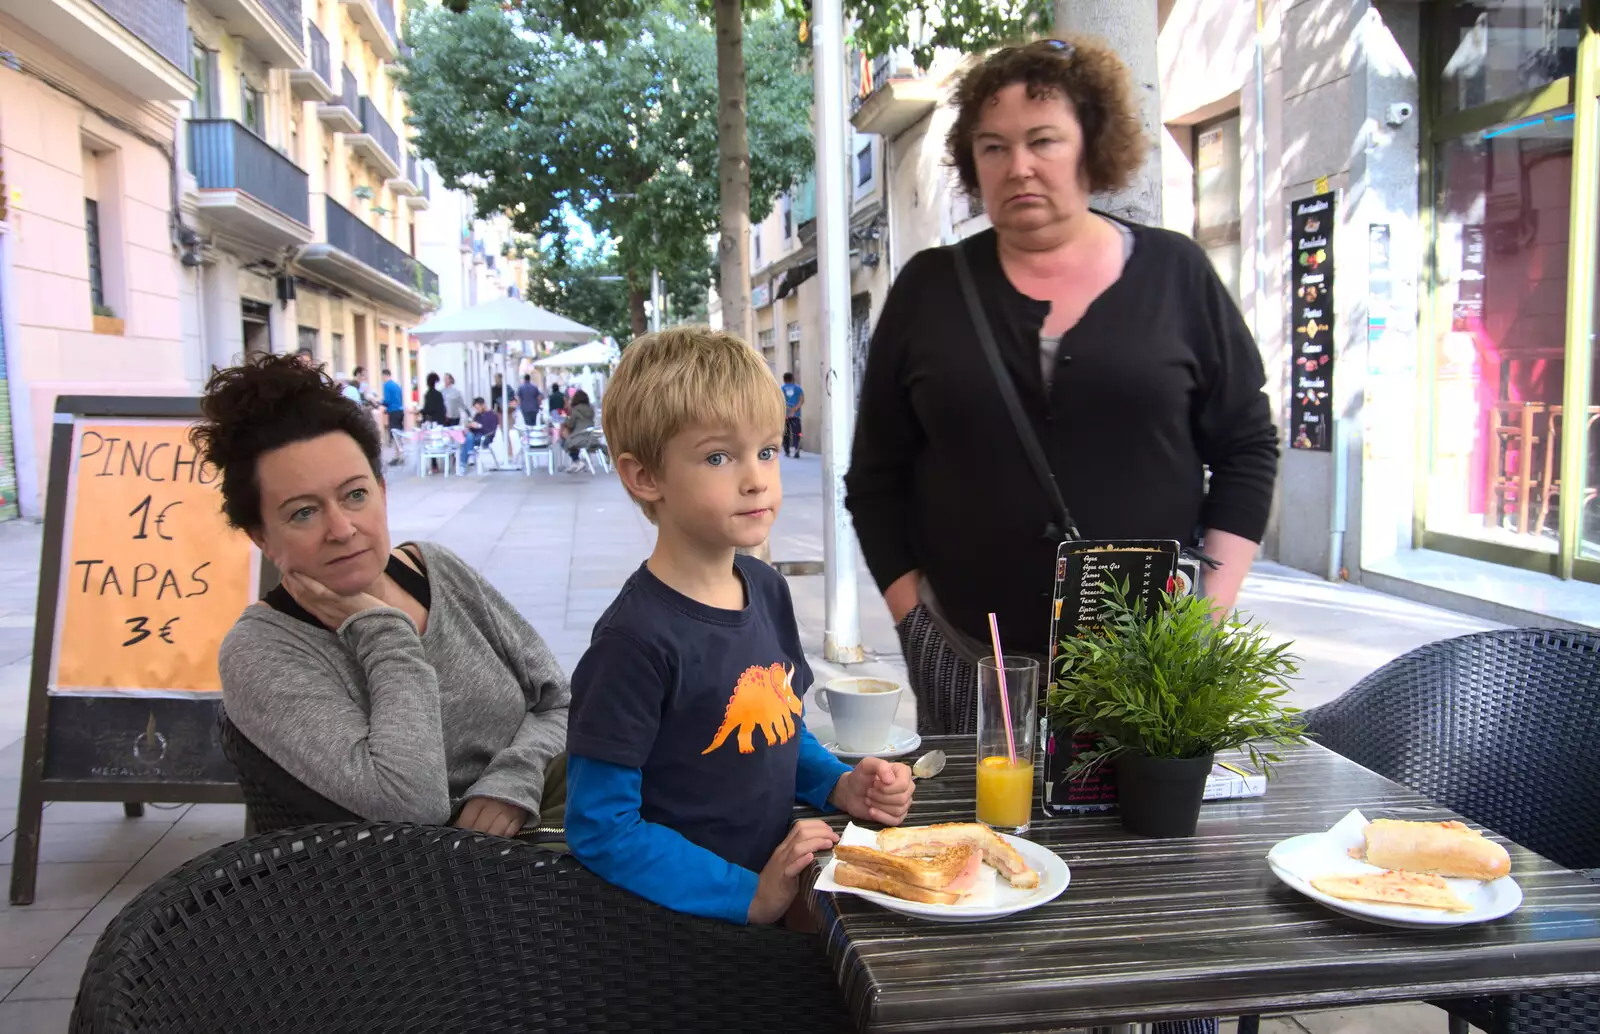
397, 683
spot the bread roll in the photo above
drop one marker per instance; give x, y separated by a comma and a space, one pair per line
1442, 848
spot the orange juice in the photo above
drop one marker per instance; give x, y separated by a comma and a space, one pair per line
1005, 792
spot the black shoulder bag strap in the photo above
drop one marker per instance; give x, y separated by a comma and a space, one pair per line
1062, 527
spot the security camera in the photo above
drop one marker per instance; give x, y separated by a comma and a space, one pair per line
1399, 114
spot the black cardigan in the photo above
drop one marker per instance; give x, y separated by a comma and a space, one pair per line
1159, 382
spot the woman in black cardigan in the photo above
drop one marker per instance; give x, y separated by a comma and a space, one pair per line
1132, 364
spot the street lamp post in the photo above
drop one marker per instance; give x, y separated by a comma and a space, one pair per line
841, 641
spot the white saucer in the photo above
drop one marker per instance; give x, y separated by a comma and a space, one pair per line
901, 741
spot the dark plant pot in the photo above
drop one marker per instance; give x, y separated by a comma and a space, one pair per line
1160, 797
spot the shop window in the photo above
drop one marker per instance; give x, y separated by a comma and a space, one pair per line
1489, 50
1502, 225
1216, 197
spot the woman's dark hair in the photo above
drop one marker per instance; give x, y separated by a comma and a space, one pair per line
433, 380
579, 398
1089, 75
268, 402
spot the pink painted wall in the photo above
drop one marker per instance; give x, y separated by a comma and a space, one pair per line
42, 138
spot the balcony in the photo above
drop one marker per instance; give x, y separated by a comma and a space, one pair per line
375, 21
342, 114
271, 28
315, 81
407, 184
248, 190
359, 259
895, 98
423, 197
140, 46
377, 142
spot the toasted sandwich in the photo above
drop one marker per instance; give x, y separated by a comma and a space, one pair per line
917, 840
935, 878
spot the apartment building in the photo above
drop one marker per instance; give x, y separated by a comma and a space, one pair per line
303, 186
786, 298
187, 181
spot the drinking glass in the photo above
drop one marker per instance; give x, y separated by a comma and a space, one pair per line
1005, 763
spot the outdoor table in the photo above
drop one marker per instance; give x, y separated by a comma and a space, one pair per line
1169, 929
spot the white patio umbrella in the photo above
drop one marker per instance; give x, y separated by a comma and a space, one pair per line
502, 319
595, 353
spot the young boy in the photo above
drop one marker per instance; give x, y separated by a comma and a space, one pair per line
687, 748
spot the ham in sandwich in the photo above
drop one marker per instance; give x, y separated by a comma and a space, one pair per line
933, 878
918, 840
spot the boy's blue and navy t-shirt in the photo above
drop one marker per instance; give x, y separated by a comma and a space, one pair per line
705, 702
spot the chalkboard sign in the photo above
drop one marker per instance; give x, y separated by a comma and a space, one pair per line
140, 578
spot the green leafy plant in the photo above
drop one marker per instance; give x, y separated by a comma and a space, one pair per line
1173, 683
362, 193
105, 310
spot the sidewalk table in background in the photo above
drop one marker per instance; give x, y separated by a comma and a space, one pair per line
1167, 929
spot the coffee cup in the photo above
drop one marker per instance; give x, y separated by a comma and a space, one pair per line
863, 711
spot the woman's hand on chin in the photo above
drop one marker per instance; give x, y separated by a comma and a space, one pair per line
323, 603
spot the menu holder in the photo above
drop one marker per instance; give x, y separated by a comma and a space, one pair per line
1085, 570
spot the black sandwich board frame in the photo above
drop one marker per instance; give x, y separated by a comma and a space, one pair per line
78, 720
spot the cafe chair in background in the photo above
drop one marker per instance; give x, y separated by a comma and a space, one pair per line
273, 799
436, 445
536, 440
1499, 727
398, 928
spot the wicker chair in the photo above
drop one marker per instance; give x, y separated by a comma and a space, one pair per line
1498, 727
273, 799
397, 928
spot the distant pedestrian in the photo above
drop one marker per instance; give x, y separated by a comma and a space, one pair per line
394, 408
794, 397
558, 400
433, 402
579, 431
529, 399
454, 404
481, 429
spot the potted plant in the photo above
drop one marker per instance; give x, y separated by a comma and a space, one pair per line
106, 321
1162, 690
362, 193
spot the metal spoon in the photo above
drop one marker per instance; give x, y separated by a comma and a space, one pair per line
929, 765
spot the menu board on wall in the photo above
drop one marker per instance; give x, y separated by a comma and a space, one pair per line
1311, 323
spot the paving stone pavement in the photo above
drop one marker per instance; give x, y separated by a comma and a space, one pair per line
558, 548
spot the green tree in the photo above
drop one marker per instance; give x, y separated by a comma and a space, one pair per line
539, 122
881, 25
586, 286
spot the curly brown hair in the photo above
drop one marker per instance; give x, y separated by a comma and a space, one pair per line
1091, 77
268, 402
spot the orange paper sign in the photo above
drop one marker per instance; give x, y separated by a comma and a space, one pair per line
153, 577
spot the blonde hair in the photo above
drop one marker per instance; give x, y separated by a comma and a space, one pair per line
686, 377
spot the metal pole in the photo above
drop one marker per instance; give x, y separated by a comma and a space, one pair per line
841, 642
655, 299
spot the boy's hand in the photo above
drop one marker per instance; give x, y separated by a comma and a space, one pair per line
780, 880
874, 791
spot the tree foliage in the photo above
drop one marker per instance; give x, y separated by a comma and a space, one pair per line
880, 25
540, 123
581, 285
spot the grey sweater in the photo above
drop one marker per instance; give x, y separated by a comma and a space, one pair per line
396, 726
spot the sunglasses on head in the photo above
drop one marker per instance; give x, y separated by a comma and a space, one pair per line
1059, 47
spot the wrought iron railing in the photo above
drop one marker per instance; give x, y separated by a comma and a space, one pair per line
225, 155
376, 126
360, 241
321, 62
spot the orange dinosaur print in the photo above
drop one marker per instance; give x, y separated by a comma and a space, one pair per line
763, 699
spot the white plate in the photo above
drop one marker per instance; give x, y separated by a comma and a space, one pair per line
1053, 879
1490, 900
901, 741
